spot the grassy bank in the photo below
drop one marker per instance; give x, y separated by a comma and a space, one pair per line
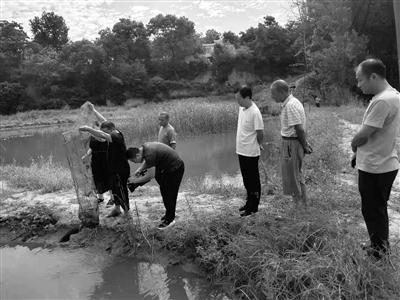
183, 112
282, 253
44, 175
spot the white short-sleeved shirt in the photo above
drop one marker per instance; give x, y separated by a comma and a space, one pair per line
379, 154
292, 114
249, 121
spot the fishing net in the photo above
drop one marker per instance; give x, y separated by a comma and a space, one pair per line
76, 145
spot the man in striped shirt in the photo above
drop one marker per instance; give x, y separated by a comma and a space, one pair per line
294, 143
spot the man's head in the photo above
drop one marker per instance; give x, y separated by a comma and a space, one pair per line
370, 75
107, 127
163, 119
135, 154
280, 90
243, 96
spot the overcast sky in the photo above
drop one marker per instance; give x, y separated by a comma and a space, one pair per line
85, 18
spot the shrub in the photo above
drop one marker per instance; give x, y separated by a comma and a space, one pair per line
10, 97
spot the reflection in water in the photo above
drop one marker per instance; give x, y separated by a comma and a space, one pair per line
48, 273
60, 273
128, 279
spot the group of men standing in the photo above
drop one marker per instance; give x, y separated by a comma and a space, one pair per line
374, 147
249, 144
374, 153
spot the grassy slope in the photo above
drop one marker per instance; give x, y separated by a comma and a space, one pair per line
285, 254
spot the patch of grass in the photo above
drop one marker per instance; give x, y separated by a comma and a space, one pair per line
287, 254
44, 175
352, 113
190, 117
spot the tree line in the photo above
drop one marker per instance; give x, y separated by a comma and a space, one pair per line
149, 61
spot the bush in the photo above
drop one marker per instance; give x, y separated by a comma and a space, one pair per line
10, 97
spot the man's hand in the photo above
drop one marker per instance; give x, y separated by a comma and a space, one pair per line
85, 158
353, 161
90, 106
84, 128
261, 147
140, 172
308, 149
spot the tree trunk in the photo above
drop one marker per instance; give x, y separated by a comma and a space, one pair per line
396, 9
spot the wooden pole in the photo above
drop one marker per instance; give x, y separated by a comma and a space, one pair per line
396, 10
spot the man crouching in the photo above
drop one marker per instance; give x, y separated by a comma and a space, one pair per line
169, 172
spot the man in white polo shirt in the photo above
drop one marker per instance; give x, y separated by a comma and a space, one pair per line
249, 138
294, 143
376, 156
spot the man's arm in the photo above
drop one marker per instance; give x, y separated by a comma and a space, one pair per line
172, 139
98, 115
96, 133
260, 138
143, 167
362, 136
301, 135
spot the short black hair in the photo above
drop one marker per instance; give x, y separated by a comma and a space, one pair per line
131, 152
107, 124
245, 91
373, 65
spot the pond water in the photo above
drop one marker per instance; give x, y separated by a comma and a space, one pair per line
212, 154
34, 272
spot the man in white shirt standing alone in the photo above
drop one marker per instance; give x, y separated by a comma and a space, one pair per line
249, 138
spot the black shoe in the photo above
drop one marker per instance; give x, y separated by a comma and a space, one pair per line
243, 208
166, 224
247, 213
132, 187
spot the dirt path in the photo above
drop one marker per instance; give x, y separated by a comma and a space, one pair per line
349, 130
54, 213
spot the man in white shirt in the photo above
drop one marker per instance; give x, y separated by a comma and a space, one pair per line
294, 143
375, 153
249, 138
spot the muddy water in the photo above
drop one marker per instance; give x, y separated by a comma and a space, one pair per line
32, 272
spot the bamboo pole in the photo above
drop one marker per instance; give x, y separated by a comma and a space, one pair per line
396, 10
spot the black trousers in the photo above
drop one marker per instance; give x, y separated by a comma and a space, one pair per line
375, 191
119, 189
169, 186
251, 180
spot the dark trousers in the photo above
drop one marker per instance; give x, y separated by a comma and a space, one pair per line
251, 180
375, 191
120, 189
169, 186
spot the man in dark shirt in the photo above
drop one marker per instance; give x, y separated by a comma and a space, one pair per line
117, 163
169, 173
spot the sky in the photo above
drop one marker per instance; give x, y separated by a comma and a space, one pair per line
85, 18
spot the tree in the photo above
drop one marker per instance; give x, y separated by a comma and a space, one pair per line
270, 44
211, 36
13, 41
87, 62
175, 40
127, 41
376, 20
49, 30
230, 37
